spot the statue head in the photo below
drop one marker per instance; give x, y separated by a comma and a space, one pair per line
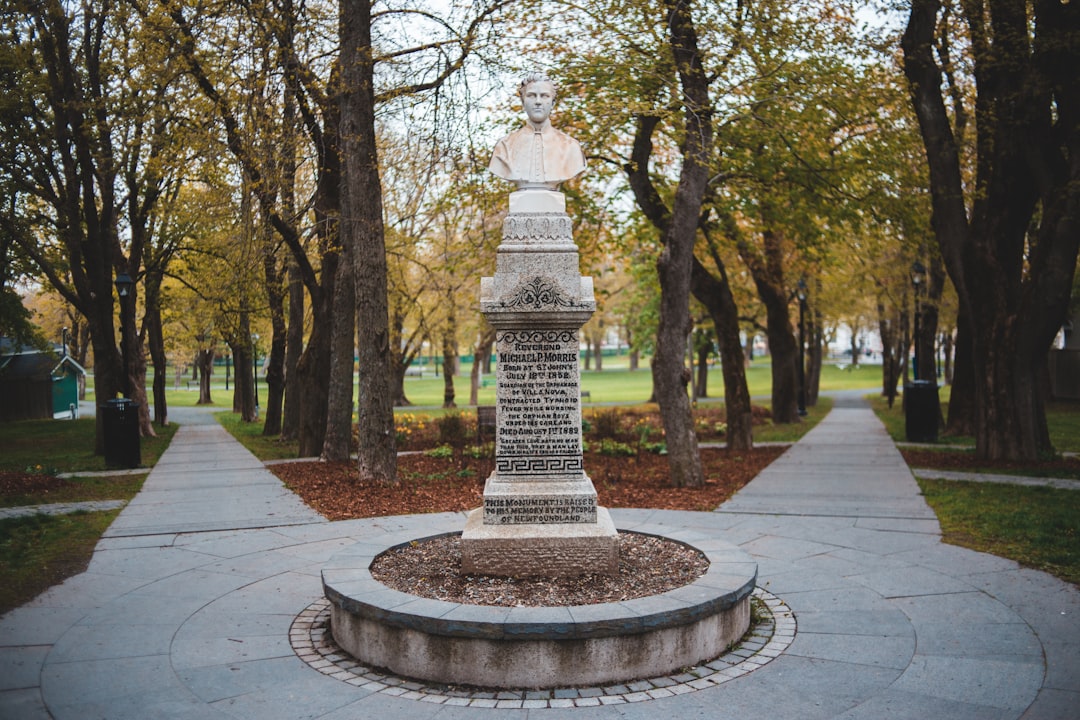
537, 155
537, 92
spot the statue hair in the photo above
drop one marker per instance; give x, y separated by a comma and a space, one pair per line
535, 77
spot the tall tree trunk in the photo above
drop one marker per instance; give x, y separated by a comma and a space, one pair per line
397, 382
340, 392
362, 229
399, 361
1013, 258
107, 368
275, 364
277, 271
155, 340
204, 361
450, 359
481, 359
676, 262
134, 358
961, 403
315, 363
314, 372
815, 358
138, 394
889, 330
294, 347
716, 296
714, 293
785, 370
244, 366
767, 270
703, 346
928, 320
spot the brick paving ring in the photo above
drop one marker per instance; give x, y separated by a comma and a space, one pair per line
768, 637
600, 645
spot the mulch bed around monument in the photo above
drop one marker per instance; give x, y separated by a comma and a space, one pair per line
648, 565
429, 484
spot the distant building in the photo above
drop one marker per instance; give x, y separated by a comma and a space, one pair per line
37, 384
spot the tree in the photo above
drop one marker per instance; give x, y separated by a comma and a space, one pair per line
245, 142
15, 319
314, 74
73, 138
676, 261
362, 229
800, 140
1010, 239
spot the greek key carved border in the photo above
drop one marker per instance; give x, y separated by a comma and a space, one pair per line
534, 465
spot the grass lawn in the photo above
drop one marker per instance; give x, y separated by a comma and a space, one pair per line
793, 433
54, 446
1038, 527
618, 384
79, 489
39, 551
250, 436
1062, 419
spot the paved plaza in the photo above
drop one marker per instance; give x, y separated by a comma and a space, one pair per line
200, 599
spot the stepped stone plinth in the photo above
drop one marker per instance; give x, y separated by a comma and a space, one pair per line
540, 515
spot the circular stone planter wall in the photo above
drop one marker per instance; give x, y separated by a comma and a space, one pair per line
538, 647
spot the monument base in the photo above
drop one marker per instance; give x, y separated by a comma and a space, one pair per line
559, 550
547, 502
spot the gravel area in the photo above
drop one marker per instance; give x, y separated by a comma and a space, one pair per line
648, 565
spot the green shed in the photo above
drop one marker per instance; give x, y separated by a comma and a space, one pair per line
36, 384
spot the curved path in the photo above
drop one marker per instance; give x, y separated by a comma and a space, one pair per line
186, 607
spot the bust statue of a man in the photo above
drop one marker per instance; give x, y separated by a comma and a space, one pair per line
537, 155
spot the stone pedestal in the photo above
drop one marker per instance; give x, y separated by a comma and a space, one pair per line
540, 515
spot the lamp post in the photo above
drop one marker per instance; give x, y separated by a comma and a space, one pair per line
801, 293
227, 356
918, 275
124, 287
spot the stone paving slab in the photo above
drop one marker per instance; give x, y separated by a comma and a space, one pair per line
207, 481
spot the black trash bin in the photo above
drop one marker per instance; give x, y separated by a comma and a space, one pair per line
921, 411
121, 418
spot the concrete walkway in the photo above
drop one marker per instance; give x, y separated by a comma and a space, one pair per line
208, 481
186, 608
